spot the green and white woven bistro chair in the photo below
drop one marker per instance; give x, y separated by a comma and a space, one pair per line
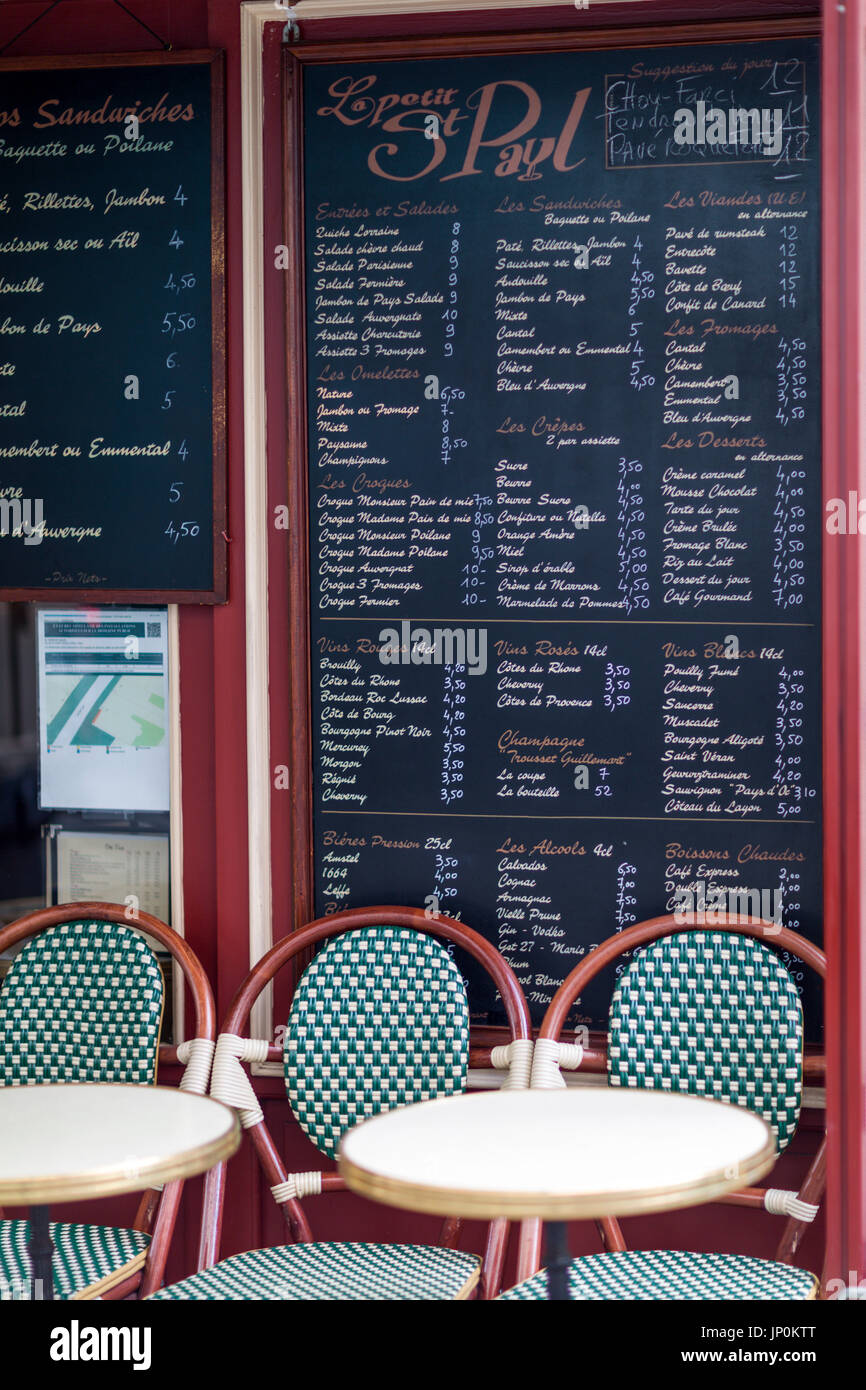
379, 1019
710, 1012
83, 1002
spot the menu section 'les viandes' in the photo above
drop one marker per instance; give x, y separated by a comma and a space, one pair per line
111, 331
563, 420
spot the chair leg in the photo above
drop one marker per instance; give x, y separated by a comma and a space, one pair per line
812, 1190
611, 1234
163, 1230
147, 1209
450, 1233
528, 1250
494, 1259
211, 1217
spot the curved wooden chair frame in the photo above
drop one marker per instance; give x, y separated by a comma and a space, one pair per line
157, 1210
653, 929
236, 1022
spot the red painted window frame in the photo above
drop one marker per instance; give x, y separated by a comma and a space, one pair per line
844, 328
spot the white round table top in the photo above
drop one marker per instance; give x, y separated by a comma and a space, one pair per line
558, 1155
69, 1142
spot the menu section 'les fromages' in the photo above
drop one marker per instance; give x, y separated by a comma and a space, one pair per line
110, 405
563, 416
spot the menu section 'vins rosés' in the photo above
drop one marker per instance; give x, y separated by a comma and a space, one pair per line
563, 420
111, 392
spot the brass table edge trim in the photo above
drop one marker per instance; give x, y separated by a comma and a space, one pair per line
526, 1206
81, 1187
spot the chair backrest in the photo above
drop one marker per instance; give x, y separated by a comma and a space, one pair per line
735, 986
379, 1019
715, 1014
83, 1002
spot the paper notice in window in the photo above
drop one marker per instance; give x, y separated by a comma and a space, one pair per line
103, 705
131, 870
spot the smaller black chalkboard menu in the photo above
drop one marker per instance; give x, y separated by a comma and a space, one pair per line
111, 328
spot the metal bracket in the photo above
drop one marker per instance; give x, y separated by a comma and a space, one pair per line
292, 32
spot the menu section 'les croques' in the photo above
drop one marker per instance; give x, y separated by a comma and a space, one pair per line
563, 419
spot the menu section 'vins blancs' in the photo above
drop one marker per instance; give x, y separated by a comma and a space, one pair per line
563, 404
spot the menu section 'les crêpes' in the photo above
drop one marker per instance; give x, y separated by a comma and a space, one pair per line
111, 411
563, 417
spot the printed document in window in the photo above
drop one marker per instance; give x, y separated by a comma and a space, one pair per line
103, 701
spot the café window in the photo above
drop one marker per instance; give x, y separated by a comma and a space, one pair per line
113, 497
86, 748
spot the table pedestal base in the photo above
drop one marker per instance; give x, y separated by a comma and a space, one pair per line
41, 1251
557, 1260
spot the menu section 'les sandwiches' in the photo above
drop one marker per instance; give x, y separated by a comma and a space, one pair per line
111, 410
563, 418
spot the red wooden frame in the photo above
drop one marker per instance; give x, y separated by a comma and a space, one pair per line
217, 592
844, 451
632, 938
236, 1022
300, 665
157, 1210
646, 35
558, 18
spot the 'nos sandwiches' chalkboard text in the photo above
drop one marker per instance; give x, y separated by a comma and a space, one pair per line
111, 329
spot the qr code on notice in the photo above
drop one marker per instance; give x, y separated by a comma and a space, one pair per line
153, 629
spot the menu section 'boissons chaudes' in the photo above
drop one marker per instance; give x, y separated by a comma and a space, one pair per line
563, 420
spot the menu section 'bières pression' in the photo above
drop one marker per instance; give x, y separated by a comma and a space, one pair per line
564, 469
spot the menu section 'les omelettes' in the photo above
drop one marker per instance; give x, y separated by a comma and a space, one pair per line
111, 391
563, 416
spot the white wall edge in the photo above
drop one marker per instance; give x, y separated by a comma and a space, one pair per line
254, 17
353, 9
175, 811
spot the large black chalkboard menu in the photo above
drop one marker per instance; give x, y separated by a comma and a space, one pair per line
111, 328
562, 373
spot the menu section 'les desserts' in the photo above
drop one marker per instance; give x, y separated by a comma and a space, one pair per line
563, 405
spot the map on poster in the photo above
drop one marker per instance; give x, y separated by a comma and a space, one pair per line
103, 690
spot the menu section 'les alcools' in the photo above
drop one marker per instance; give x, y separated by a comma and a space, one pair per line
564, 470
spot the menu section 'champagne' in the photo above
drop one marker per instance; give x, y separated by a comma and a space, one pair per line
563, 398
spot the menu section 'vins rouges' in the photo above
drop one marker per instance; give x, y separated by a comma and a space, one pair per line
111, 391
563, 419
